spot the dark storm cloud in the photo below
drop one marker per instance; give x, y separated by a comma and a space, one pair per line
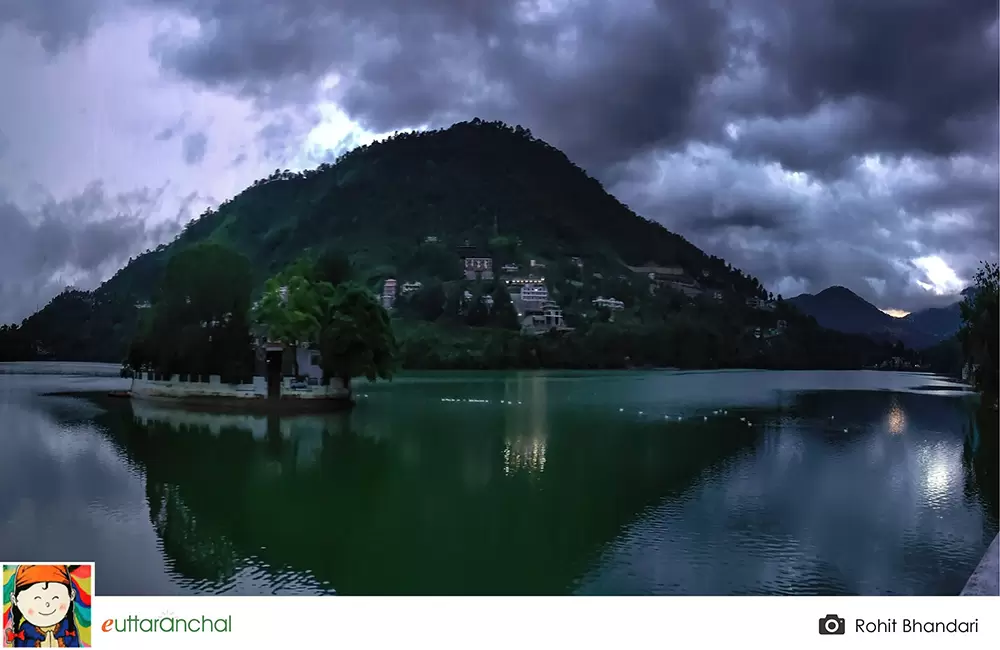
75, 241
194, 147
695, 113
56, 23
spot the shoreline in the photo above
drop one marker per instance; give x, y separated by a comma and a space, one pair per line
285, 406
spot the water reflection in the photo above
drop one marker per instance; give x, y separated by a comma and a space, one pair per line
389, 501
525, 441
525, 484
784, 517
897, 418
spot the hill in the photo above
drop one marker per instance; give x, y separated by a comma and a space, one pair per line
841, 309
405, 207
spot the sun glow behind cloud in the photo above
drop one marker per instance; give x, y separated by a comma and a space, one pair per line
896, 313
939, 278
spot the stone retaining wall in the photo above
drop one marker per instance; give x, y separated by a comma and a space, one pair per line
985, 580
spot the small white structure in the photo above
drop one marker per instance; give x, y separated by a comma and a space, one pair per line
430, 239
410, 287
510, 268
389, 293
608, 303
544, 319
173, 389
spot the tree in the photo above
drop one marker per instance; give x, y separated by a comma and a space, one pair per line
356, 338
979, 330
504, 315
291, 310
198, 322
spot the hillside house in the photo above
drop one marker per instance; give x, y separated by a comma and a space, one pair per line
761, 304
659, 272
534, 294
548, 317
410, 287
510, 268
389, 293
608, 303
476, 264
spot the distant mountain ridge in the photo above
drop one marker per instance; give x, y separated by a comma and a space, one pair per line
839, 308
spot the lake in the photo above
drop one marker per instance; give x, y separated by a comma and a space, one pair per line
659, 482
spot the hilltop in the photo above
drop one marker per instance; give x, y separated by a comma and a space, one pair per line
840, 309
407, 207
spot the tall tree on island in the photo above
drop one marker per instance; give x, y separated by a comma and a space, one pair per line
356, 339
980, 324
199, 320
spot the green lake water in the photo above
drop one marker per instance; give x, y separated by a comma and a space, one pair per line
738, 482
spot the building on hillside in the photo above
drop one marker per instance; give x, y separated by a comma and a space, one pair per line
577, 260
660, 272
477, 265
530, 297
684, 284
410, 287
488, 301
430, 239
761, 304
537, 265
510, 268
545, 318
389, 293
717, 295
145, 304
608, 303
534, 294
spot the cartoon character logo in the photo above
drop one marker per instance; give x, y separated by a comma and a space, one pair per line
46, 605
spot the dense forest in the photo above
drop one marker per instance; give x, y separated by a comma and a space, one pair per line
403, 207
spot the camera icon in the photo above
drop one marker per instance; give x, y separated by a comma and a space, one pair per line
832, 624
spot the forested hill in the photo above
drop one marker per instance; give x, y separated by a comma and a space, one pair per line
480, 182
402, 208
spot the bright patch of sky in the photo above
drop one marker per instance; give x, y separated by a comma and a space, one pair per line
939, 278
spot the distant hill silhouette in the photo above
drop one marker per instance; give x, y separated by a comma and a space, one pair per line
839, 308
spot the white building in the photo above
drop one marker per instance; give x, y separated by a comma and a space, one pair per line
389, 293
548, 317
608, 303
534, 294
510, 268
410, 287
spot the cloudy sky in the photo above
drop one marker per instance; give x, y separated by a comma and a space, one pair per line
809, 142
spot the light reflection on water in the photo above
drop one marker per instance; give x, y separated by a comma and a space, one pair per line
838, 491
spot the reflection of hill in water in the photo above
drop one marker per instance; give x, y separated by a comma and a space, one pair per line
409, 495
400, 500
